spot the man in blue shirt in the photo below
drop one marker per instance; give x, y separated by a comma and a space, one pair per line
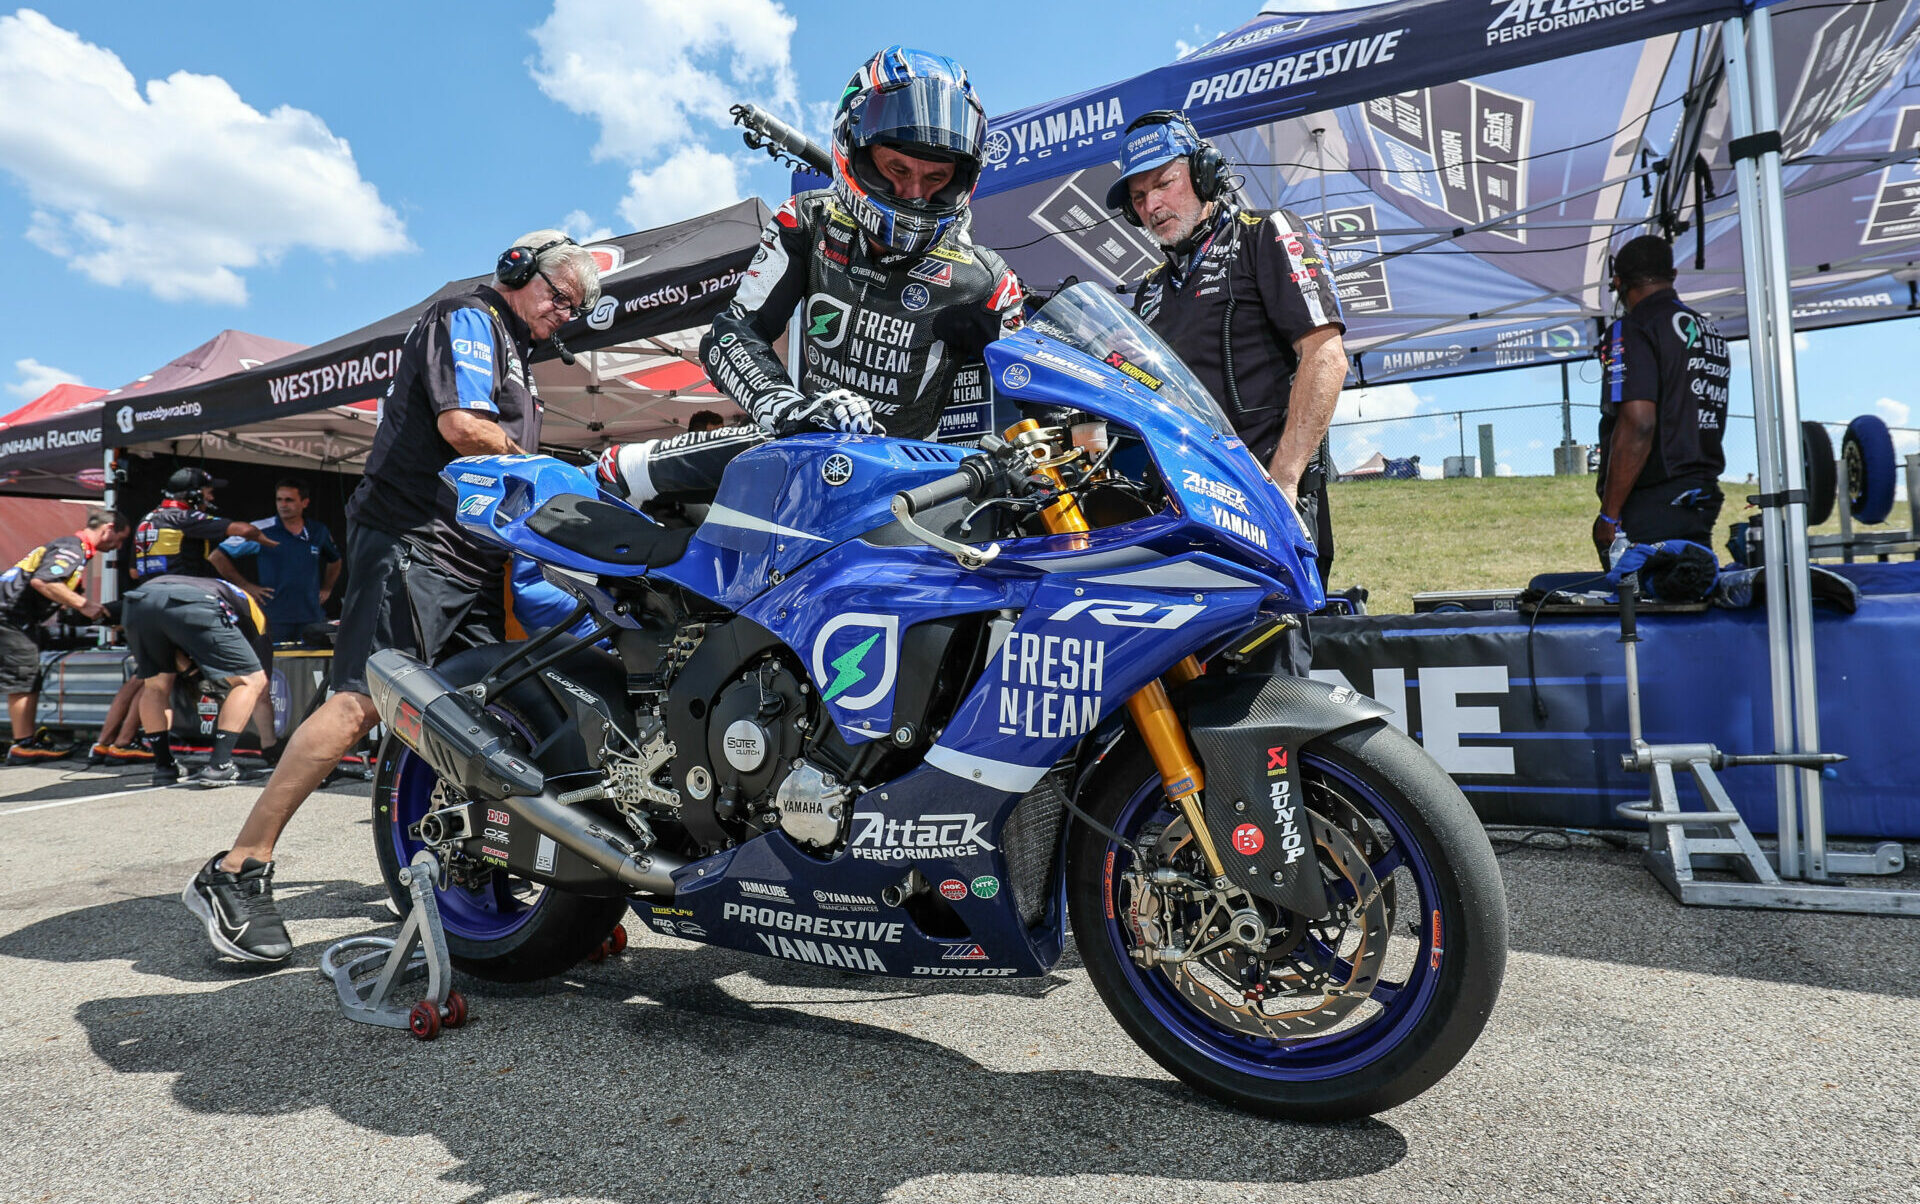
297, 575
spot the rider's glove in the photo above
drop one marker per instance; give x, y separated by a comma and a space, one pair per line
844, 410
835, 410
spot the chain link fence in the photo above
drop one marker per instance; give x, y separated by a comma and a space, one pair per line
1516, 441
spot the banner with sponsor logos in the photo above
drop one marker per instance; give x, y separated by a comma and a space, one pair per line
652, 283
1530, 718
1470, 163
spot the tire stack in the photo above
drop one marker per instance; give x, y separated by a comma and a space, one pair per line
1872, 469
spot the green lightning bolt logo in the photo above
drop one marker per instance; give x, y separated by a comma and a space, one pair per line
822, 323
846, 668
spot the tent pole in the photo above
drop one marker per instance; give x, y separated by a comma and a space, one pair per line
1753, 258
109, 564
1806, 686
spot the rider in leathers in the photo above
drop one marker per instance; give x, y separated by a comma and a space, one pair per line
895, 300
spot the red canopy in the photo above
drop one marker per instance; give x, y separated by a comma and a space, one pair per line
57, 400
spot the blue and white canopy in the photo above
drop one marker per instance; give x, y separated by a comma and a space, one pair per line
1472, 161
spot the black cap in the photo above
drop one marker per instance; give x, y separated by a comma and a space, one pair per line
192, 480
1646, 258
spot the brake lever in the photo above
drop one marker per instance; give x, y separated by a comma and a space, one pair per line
969, 557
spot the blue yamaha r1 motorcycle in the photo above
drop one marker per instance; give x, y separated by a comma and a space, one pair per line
901, 708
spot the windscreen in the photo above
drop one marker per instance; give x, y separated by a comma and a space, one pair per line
1088, 318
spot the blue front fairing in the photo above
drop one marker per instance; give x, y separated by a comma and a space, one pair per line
1213, 479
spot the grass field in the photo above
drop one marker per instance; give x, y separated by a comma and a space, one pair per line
1400, 538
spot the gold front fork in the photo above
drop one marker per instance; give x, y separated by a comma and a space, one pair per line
1152, 711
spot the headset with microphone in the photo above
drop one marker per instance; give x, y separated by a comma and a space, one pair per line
516, 268
1204, 162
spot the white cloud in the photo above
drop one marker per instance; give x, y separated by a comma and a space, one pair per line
1896, 413
692, 181
178, 189
659, 77
580, 227
36, 378
1801, 342
1379, 401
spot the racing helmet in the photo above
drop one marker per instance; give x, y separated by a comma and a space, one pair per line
921, 105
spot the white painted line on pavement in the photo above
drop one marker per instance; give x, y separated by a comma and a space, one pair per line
91, 798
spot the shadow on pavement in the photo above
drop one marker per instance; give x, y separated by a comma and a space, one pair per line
157, 935
1603, 905
646, 1079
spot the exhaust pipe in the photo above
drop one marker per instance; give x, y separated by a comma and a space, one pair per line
475, 754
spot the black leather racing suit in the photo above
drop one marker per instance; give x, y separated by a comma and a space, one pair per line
904, 333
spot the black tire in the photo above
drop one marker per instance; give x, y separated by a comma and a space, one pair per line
565, 927
1868, 448
1470, 897
1818, 471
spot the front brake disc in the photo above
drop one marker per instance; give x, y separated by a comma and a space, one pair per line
1318, 983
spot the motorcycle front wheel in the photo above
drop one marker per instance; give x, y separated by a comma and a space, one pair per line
1316, 1020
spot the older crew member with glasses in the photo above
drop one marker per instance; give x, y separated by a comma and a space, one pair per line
414, 580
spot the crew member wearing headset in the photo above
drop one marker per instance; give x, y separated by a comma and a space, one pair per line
1246, 298
414, 580
1663, 409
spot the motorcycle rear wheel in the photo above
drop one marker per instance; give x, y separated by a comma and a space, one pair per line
1447, 945
506, 929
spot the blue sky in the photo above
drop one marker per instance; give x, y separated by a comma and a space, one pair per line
172, 170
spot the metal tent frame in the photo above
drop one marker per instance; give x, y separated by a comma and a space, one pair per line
1803, 857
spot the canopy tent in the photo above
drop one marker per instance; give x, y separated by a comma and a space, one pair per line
1469, 218
57, 400
1469, 215
57, 450
635, 371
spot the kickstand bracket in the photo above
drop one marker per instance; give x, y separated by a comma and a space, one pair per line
375, 975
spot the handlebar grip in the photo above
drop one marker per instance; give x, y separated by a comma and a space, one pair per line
934, 493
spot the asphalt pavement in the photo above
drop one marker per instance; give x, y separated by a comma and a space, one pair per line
1640, 1052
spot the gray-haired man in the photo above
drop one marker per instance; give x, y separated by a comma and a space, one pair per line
414, 579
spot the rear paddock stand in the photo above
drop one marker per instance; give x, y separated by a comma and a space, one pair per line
1673, 854
370, 982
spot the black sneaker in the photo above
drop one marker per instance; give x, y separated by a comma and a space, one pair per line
169, 775
97, 757
36, 749
238, 910
216, 775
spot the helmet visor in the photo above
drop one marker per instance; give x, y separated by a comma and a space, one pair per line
925, 111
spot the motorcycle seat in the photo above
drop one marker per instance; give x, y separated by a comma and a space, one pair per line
608, 532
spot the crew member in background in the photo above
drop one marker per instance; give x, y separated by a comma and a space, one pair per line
704, 420
50, 576
896, 299
1246, 298
296, 576
415, 580
220, 629
1663, 409
180, 534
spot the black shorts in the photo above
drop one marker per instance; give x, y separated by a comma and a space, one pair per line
397, 597
1672, 510
166, 617
19, 661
